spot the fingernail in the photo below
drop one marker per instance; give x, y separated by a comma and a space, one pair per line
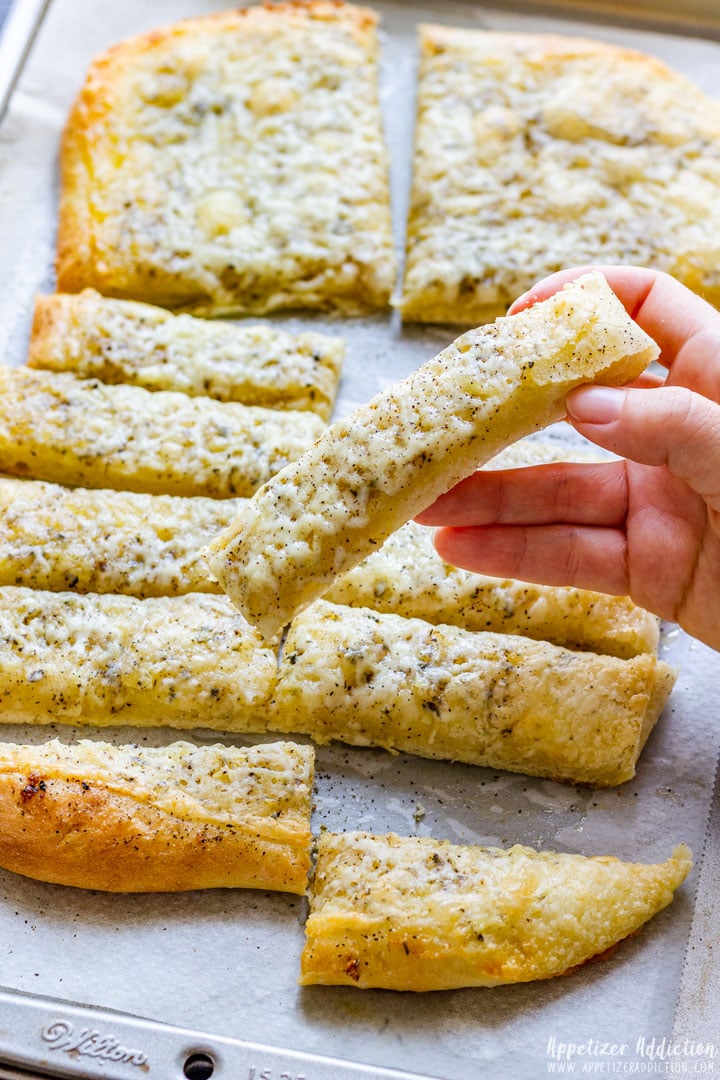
595, 404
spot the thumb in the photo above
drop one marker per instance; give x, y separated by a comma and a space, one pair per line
666, 425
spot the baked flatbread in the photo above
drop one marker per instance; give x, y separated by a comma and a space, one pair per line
232, 163
104, 541
368, 679
182, 662
147, 819
537, 152
55, 426
413, 913
372, 471
120, 341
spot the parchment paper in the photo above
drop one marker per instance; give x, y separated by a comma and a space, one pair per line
227, 962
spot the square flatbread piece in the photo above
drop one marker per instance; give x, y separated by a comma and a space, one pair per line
536, 152
232, 164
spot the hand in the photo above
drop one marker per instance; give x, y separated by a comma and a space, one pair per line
648, 526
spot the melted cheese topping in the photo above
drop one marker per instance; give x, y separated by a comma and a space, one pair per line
534, 153
212, 784
187, 661
239, 166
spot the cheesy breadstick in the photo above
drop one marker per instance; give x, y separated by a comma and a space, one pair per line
372, 471
183, 662
498, 700
414, 913
54, 426
121, 341
155, 819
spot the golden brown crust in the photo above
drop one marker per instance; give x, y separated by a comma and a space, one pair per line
76, 831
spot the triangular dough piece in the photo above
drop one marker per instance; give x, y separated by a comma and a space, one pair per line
414, 913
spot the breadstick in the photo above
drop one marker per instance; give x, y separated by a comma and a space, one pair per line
182, 662
413, 913
54, 426
120, 341
105, 541
498, 700
145, 819
374, 470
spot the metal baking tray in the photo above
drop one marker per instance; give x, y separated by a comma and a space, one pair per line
225, 964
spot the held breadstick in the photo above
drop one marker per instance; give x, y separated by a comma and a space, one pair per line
441, 692
372, 471
155, 819
431, 915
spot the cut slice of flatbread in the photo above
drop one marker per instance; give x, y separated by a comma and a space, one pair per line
414, 913
537, 152
104, 541
369, 679
374, 470
182, 662
55, 426
121, 341
232, 163
157, 819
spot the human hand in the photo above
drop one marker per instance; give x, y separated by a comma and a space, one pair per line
647, 526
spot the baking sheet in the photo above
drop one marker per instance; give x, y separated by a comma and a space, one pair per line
227, 962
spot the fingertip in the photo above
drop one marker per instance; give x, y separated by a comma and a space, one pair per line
546, 288
523, 301
595, 404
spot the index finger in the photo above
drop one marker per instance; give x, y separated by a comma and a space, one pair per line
685, 326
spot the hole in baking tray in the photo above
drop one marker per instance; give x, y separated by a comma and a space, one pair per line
198, 1066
